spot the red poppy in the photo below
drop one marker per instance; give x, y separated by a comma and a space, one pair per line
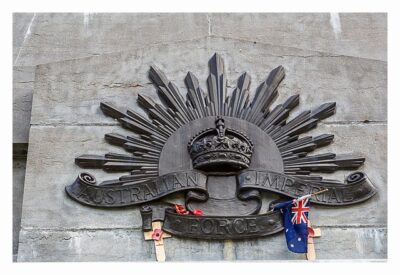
180, 209
197, 212
311, 232
157, 234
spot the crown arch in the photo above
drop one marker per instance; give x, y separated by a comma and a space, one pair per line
175, 157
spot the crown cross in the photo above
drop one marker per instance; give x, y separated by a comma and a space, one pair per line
220, 125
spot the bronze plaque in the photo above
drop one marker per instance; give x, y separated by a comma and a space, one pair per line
222, 150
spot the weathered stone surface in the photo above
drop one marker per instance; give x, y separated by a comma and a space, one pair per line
62, 36
51, 167
193, 250
55, 37
21, 23
23, 83
362, 35
323, 63
129, 245
23, 79
335, 243
18, 192
79, 85
84, 245
369, 141
372, 146
109, 245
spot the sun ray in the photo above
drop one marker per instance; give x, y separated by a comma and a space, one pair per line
162, 119
239, 95
265, 95
170, 93
216, 83
195, 94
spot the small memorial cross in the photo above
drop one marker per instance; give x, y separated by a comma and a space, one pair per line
158, 236
312, 233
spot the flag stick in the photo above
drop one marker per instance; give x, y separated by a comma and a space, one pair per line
305, 196
313, 194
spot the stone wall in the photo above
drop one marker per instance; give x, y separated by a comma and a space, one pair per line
72, 62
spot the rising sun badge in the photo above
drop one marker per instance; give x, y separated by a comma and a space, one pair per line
221, 149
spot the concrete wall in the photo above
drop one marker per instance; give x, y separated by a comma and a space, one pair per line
74, 61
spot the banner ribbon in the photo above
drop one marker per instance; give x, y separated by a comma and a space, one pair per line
85, 190
356, 188
212, 227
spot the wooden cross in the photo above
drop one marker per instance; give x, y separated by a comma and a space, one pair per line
158, 236
310, 242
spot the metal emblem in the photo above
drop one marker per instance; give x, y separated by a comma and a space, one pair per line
222, 150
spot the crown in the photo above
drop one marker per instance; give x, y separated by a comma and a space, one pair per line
220, 149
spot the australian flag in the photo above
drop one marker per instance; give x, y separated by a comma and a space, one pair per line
295, 220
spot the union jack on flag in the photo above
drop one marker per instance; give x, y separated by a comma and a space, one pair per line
300, 211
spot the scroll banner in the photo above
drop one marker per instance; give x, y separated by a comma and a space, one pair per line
213, 227
357, 188
85, 190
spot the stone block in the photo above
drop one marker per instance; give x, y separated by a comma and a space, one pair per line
21, 29
50, 167
61, 36
335, 243
19, 166
109, 245
129, 245
71, 91
23, 83
84, 246
353, 34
